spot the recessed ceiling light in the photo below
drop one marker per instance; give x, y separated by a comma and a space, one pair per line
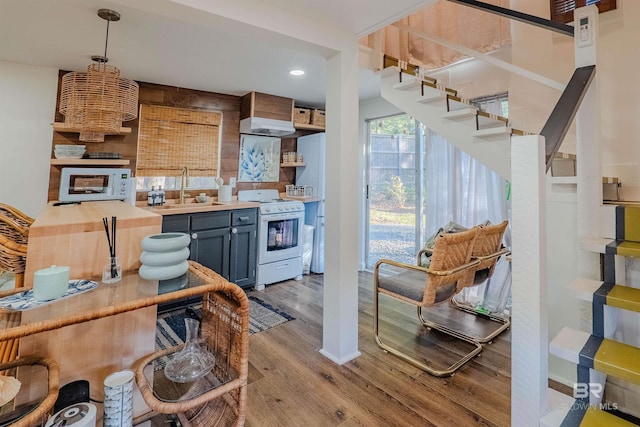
296, 72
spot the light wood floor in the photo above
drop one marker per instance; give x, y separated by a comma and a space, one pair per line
292, 384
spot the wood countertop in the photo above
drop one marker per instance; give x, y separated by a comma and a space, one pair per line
87, 216
192, 207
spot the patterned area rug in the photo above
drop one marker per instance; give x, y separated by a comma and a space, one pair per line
170, 329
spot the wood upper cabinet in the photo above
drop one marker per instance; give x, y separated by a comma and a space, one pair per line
256, 104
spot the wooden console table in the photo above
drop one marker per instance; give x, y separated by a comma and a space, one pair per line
132, 293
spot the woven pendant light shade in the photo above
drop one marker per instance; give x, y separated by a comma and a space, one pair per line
98, 101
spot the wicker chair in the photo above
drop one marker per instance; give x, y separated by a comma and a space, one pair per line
18, 216
39, 415
225, 328
487, 249
450, 270
14, 236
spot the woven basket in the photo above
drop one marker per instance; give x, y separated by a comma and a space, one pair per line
317, 118
302, 116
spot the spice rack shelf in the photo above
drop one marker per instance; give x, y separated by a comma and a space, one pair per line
90, 162
61, 127
291, 165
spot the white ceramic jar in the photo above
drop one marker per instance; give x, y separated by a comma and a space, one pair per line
51, 283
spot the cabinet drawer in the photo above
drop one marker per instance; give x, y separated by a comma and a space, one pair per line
243, 217
210, 220
175, 224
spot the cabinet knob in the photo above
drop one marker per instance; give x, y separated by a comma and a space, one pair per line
194, 236
234, 230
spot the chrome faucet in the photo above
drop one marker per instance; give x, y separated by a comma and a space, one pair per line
183, 183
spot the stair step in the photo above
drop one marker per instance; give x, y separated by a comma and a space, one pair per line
623, 248
620, 296
494, 133
456, 103
604, 355
463, 114
431, 94
594, 244
628, 223
408, 83
488, 120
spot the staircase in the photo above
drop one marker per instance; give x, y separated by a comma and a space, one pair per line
597, 354
484, 136
487, 138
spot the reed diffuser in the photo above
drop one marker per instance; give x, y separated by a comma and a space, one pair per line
112, 272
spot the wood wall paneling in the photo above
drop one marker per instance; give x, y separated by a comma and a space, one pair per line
171, 96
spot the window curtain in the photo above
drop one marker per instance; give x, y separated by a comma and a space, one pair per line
461, 189
463, 25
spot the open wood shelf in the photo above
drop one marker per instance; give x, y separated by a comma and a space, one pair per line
291, 165
61, 127
306, 126
90, 162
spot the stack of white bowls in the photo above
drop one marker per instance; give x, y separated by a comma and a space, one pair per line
69, 151
164, 256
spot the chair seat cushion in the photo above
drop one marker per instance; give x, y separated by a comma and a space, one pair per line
410, 284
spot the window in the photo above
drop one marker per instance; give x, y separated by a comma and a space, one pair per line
562, 10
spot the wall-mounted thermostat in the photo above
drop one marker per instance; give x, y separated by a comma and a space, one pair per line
585, 31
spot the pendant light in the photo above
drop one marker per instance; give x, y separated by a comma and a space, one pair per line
98, 101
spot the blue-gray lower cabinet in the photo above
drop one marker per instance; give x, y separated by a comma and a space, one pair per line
224, 241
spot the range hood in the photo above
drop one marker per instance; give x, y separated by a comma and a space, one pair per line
263, 126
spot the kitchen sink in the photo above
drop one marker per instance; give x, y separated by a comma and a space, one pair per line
187, 205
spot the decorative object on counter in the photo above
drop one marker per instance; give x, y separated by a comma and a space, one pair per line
50, 283
156, 197
26, 300
77, 415
299, 190
193, 361
112, 272
259, 159
61, 151
224, 193
202, 198
118, 399
164, 256
159, 197
99, 100
151, 196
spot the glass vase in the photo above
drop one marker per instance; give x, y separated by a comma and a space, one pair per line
193, 361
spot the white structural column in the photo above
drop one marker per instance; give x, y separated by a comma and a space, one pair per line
589, 168
529, 323
340, 319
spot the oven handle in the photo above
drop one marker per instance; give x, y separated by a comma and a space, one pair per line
279, 216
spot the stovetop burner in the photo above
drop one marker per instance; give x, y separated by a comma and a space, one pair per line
270, 201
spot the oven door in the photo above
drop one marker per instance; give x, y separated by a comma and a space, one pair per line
280, 237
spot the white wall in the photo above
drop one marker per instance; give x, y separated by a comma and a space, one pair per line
27, 109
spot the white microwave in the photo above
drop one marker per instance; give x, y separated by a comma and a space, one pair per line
90, 184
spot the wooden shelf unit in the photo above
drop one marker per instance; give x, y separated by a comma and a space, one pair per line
90, 162
307, 126
61, 127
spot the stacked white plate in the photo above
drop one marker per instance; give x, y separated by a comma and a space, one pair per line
69, 151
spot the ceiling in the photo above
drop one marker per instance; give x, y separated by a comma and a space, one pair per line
168, 42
